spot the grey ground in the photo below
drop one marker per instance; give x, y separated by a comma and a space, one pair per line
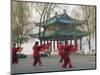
52, 64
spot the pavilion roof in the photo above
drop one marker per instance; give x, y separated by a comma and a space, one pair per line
62, 19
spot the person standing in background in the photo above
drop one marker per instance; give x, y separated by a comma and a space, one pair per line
14, 54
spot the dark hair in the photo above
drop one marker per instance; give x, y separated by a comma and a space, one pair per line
66, 42
36, 43
14, 45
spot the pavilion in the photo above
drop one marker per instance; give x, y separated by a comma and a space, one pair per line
60, 27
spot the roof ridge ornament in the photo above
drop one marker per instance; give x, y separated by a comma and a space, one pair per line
64, 10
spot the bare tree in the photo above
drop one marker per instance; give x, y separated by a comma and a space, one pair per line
21, 24
89, 15
44, 10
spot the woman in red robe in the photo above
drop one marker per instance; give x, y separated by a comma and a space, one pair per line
72, 49
39, 59
63, 54
36, 55
36, 52
64, 51
60, 49
66, 55
14, 54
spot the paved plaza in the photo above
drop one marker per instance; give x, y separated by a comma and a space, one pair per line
51, 63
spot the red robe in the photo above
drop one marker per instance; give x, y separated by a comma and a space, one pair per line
64, 51
60, 48
36, 50
74, 48
45, 47
67, 51
14, 56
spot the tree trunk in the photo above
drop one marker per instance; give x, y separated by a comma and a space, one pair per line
54, 45
40, 41
80, 43
89, 42
20, 41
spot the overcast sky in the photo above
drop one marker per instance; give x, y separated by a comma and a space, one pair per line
71, 10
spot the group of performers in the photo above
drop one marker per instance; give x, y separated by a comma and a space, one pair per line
64, 52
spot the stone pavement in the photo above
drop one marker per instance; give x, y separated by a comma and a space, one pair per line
51, 63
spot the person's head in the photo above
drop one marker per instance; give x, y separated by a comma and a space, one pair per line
75, 41
14, 45
36, 43
66, 42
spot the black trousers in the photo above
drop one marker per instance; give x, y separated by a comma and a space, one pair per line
61, 59
36, 59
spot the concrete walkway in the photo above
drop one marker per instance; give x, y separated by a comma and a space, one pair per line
52, 64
